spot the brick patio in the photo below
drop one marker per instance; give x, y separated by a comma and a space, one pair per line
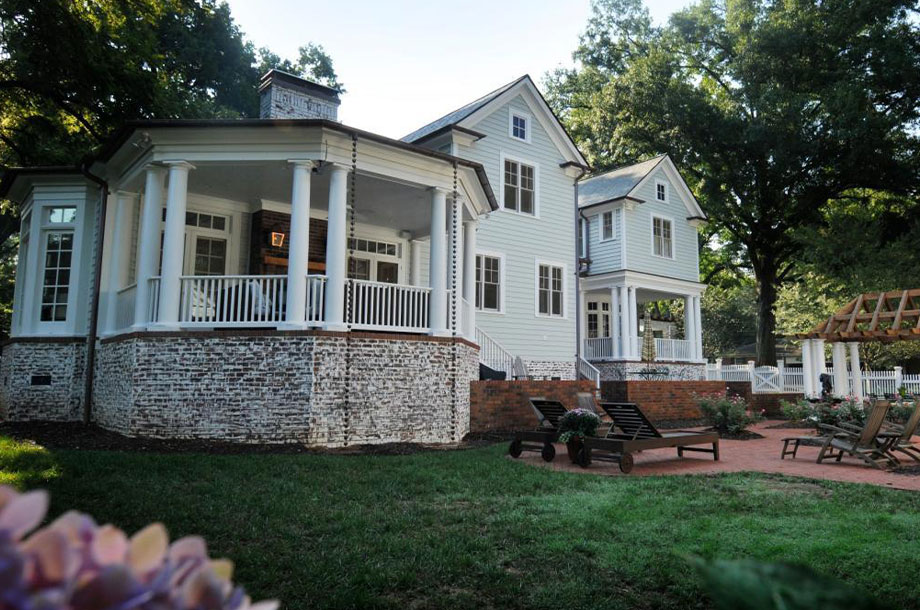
758, 455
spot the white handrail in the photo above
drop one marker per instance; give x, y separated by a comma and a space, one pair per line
493, 354
589, 371
124, 307
384, 306
232, 300
316, 299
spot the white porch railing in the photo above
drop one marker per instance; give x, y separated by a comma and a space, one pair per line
153, 309
493, 354
316, 299
124, 307
589, 371
467, 319
673, 349
232, 300
599, 348
383, 306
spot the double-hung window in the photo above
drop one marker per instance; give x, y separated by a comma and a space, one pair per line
607, 226
662, 237
58, 251
549, 290
488, 283
520, 187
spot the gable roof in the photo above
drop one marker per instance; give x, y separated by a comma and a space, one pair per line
621, 182
468, 116
615, 184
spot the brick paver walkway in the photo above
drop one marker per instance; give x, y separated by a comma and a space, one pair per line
757, 455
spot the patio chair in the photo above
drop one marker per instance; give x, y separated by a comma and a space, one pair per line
519, 370
548, 413
864, 443
587, 400
904, 444
636, 433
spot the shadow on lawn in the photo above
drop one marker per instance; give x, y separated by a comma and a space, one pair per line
26, 465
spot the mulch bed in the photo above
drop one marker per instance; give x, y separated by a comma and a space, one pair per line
792, 425
69, 435
912, 470
745, 435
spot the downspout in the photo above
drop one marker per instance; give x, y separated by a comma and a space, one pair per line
578, 238
94, 303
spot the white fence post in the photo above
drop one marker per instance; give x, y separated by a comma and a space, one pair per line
751, 374
898, 379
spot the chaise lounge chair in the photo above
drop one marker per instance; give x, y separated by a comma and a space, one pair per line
541, 439
868, 443
632, 431
904, 444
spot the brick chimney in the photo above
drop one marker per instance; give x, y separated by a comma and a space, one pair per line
285, 96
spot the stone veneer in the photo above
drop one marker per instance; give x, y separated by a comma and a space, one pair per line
551, 369
679, 371
23, 394
312, 387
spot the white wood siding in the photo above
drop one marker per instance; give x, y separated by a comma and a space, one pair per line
605, 255
523, 239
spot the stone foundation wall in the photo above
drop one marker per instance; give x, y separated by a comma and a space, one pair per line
551, 369
677, 371
273, 387
502, 406
42, 379
661, 400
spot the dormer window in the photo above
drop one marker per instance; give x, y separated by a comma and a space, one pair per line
519, 126
661, 190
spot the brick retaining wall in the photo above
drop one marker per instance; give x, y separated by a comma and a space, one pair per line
661, 400
502, 406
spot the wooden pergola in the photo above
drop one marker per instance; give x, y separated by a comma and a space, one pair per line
873, 316
882, 316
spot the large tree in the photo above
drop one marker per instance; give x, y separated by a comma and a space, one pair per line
772, 109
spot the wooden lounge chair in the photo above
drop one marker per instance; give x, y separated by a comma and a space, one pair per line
519, 370
864, 443
632, 431
904, 444
548, 412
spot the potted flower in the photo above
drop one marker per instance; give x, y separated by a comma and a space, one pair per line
574, 426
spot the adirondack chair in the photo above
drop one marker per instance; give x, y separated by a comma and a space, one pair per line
519, 370
904, 444
863, 443
637, 433
548, 413
586, 400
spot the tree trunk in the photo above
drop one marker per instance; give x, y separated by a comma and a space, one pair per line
766, 316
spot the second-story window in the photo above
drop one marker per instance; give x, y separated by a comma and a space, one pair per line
662, 237
549, 290
607, 225
519, 127
488, 283
519, 187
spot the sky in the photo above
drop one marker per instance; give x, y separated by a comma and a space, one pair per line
405, 63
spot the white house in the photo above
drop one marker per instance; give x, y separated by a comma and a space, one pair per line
639, 246
274, 279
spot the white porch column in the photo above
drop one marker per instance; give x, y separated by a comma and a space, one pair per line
125, 204
839, 356
149, 248
336, 249
615, 321
298, 245
819, 362
633, 324
697, 328
856, 371
173, 245
415, 262
437, 265
690, 324
808, 384
469, 277
623, 294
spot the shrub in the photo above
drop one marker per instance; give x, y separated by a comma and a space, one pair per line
726, 415
74, 564
900, 412
578, 423
796, 411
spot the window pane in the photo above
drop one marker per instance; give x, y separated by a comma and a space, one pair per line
544, 301
511, 197
608, 225
56, 277
219, 223
527, 201
191, 219
62, 215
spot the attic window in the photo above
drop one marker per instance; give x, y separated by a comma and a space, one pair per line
661, 191
519, 127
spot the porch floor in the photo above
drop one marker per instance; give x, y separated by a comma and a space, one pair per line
756, 455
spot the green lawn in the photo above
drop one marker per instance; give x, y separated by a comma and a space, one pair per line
472, 529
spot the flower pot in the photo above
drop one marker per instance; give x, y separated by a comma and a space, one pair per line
573, 447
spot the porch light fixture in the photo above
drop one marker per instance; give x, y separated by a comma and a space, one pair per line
277, 240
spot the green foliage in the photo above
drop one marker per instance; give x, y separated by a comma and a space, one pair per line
578, 423
848, 411
729, 318
754, 585
759, 107
726, 414
312, 63
797, 411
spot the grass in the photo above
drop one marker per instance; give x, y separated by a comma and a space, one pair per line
470, 529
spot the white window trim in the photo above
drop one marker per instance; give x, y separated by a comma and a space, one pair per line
651, 225
613, 226
502, 283
528, 125
667, 191
536, 289
503, 156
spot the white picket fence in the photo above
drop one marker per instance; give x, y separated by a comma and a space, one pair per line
789, 379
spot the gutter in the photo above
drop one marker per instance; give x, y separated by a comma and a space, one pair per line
579, 234
94, 303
